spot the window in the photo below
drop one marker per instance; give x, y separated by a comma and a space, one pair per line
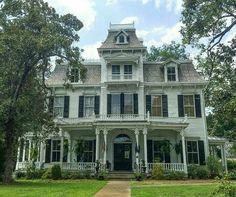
56, 148
189, 105
128, 71
156, 106
115, 71
87, 154
171, 75
161, 151
74, 75
192, 152
121, 39
115, 104
58, 106
88, 106
128, 104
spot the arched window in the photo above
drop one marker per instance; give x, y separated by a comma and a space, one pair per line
122, 138
121, 39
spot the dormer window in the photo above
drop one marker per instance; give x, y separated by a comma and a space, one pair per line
171, 74
121, 39
74, 75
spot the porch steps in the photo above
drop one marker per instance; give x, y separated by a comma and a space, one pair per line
120, 175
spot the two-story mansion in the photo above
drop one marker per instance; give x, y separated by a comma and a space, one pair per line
126, 111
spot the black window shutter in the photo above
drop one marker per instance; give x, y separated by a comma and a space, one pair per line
81, 106
97, 105
48, 151
148, 103
164, 105
51, 104
66, 149
149, 151
135, 103
201, 152
94, 150
66, 106
167, 157
122, 103
109, 104
181, 105
198, 105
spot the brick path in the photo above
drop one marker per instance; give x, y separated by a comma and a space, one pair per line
115, 189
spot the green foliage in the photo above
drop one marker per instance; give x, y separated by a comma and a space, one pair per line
174, 175
20, 174
231, 164
226, 188
157, 171
32, 172
232, 175
167, 51
47, 174
56, 172
214, 166
1, 159
198, 172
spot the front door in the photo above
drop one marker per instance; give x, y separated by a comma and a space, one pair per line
123, 156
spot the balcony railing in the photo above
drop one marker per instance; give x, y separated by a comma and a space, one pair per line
124, 77
168, 166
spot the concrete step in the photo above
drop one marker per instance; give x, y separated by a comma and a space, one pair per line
120, 175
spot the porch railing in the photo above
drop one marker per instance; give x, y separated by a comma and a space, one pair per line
23, 165
168, 166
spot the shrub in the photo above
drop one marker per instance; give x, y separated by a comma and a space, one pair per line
231, 164
56, 172
47, 174
102, 175
1, 159
198, 172
175, 175
157, 171
226, 188
214, 166
20, 174
232, 175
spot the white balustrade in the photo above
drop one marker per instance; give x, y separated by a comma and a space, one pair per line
168, 166
79, 166
123, 77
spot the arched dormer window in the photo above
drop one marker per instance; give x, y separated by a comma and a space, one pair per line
121, 38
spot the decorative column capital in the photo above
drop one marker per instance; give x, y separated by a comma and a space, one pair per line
144, 131
97, 131
105, 132
136, 131
182, 133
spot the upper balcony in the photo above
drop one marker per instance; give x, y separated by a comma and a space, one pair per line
122, 77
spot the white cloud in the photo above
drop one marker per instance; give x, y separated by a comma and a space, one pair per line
172, 33
90, 50
170, 5
157, 3
130, 19
111, 2
84, 10
145, 1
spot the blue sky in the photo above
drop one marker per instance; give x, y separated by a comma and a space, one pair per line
156, 21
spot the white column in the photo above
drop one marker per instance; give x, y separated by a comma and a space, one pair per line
62, 147
137, 143
145, 147
184, 152
225, 159
41, 160
105, 146
69, 150
23, 156
29, 153
97, 144
18, 150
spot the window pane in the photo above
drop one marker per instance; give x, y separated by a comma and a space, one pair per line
121, 39
156, 106
128, 103
74, 75
189, 105
171, 75
115, 69
88, 106
115, 104
58, 106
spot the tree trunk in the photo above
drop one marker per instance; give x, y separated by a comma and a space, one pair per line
10, 150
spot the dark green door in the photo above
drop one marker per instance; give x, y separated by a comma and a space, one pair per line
123, 156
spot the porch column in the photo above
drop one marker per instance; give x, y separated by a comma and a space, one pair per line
137, 148
69, 150
184, 151
18, 150
23, 156
97, 131
223, 157
145, 147
41, 159
62, 147
105, 146
29, 153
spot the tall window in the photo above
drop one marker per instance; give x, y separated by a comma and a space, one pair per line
128, 104
115, 71
189, 105
192, 149
88, 151
161, 151
88, 106
128, 71
115, 103
171, 75
156, 106
74, 75
56, 148
58, 106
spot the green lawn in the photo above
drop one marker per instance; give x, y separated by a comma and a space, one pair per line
152, 189
38, 188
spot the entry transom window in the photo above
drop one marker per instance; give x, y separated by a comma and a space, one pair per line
115, 71
74, 75
128, 71
128, 104
88, 106
58, 106
192, 149
56, 148
189, 105
156, 106
122, 138
171, 74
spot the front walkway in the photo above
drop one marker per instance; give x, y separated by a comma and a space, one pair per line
115, 189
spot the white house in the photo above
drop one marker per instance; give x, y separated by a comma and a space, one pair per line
126, 112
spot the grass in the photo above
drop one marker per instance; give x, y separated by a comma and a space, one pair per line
177, 189
38, 188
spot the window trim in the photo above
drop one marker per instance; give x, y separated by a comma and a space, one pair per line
175, 65
84, 110
63, 106
186, 145
75, 82
52, 151
171, 74
194, 110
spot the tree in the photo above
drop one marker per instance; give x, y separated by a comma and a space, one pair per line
214, 21
166, 51
31, 33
